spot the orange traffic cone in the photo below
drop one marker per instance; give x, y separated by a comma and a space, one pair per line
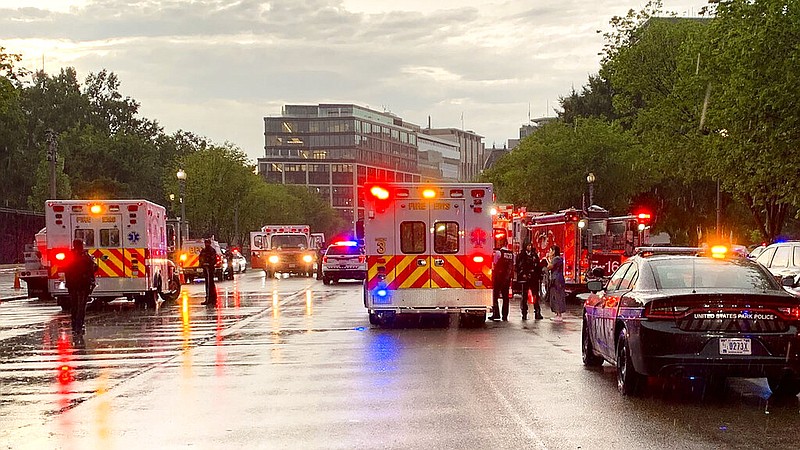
16, 280
183, 280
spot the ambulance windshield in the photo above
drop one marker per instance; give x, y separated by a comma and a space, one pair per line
283, 241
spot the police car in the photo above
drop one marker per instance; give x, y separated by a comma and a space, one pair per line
345, 259
667, 313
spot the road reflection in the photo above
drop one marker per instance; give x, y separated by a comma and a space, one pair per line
186, 334
64, 378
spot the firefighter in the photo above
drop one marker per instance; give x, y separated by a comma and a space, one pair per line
529, 274
80, 281
208, 261
502, 268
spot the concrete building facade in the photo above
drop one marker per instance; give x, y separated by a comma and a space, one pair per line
334, 148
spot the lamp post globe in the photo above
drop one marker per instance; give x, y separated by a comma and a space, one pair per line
181, 174
591, 179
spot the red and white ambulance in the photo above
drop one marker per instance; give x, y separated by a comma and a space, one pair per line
429, 249
127, 239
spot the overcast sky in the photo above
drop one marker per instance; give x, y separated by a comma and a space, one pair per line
217, 67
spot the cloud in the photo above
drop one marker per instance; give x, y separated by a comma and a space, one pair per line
216, 67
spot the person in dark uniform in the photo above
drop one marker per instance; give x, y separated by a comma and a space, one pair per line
229, 258
502, 266
79, 279
529, 274
208, 261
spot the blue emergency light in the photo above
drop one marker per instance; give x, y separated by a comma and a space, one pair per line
347, 243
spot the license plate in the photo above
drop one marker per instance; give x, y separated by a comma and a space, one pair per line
734, 346
292, 265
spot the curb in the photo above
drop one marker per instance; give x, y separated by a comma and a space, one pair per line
18, 297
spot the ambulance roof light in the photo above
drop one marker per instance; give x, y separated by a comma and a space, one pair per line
96, 209
379, 192
429, 193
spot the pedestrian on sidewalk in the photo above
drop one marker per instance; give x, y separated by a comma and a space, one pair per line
208, 261
556, 294
529, 274
80, 280
502, 269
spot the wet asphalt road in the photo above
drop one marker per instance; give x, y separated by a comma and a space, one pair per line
291, 363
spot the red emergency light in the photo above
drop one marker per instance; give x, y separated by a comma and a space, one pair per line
379, 192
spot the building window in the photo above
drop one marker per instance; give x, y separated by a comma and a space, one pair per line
319, 174
274, 173
412, 237
295, 173
342, 196
342, 174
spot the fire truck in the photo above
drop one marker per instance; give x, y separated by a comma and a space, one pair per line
502, 216
127, 239
283, 249
429, 250
587, 240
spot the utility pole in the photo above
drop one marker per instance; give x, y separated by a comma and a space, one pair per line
52, 157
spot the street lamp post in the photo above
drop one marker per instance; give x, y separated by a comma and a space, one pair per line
590, 180
182, 182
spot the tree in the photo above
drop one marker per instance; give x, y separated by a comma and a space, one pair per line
751, 59
547, 171
595, 100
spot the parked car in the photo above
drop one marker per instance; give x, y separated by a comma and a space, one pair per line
344, 260
238, 262
782, 259
693, 316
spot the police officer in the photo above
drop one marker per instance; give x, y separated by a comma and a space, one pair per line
79, 278
529, 273
502, 267
208, 261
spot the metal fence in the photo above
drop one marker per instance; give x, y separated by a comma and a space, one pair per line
17, 228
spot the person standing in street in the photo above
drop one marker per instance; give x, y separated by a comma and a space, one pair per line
208, 261
79, 279
556, 294
502, 266
529, 274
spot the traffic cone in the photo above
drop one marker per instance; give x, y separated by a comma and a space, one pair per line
17, 285
183, 280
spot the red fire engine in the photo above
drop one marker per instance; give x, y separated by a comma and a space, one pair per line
587, 240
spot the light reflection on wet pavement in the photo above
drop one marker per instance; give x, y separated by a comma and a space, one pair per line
291, 363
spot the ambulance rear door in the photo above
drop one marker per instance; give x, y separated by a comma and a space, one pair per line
101, 236
428, 243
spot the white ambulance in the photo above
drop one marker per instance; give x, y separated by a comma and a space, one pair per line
128, 241
429, 250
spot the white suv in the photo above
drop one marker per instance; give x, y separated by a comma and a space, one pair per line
344, 260
783, 260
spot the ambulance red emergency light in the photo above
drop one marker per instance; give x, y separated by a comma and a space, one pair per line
127, 239
429, 249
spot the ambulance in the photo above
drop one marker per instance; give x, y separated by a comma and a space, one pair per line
285, 249
429, 250
127, 239
189, 259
